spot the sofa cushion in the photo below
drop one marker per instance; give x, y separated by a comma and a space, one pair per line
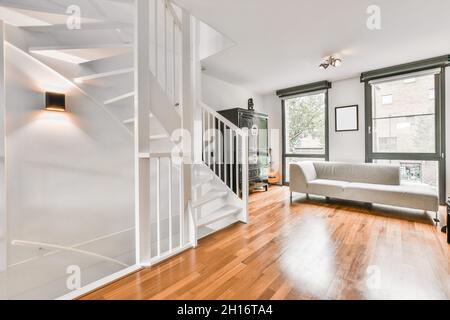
362, 173
328, 188
417, 196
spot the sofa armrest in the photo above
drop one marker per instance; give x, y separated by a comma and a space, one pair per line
300, 174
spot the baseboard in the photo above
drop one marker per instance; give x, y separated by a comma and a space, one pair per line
100, 283
164, 257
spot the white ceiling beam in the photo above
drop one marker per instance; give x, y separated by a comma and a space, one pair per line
89, 11
78, 46
85, 27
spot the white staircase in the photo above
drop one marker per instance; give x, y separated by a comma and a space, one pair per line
221, 191
104, 69
215, 206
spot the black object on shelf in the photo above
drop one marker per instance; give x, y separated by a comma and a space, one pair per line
258, 125
251, 104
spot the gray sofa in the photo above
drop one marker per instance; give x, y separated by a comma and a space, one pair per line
370, 183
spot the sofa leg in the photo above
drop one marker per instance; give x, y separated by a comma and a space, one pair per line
307, 196
291, 198
436, 219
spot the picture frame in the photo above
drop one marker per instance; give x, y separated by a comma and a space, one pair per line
346, 118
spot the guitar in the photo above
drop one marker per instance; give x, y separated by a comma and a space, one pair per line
274, 176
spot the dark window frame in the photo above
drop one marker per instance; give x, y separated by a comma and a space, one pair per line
440, 153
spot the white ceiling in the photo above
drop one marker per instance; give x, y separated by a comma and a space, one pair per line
280, 43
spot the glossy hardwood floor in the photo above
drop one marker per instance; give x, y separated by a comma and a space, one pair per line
308, 250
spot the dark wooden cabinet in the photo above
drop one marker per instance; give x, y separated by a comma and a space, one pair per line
258, 125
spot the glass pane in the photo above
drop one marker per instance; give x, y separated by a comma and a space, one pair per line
404, 115
405, 135
412, 171
305, 124
296, 160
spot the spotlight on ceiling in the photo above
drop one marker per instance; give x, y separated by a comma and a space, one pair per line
330, 61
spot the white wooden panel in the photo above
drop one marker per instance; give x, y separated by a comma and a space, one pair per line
142, 131
3, 220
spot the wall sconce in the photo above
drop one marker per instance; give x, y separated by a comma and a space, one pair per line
55, 101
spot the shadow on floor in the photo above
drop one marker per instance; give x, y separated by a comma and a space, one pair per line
413, 215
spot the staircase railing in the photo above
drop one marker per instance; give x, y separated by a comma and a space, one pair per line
225, 152
170, 229
162, 217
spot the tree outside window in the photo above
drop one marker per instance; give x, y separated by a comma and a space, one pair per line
305, 124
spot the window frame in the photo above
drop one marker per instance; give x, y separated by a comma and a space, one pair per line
286, 155
439, 154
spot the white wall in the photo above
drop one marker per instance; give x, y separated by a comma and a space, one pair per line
221, 95
347, 146
2, 154
70, 182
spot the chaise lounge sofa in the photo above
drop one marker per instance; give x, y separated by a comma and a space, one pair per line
370, 183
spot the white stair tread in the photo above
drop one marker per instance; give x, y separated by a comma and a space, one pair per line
131, 120
119, 98
154, 155
218, 215
210, 196
159, 137
79, 47
103, 75
92, 25
201, 179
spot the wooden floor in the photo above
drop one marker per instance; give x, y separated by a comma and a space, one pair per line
308, 250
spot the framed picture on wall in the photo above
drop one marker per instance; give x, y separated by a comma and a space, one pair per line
347, 118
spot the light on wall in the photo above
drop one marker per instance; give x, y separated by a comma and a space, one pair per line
55, 101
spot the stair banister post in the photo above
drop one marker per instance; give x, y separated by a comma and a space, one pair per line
245, 185
142, 131
198, 117
188, 103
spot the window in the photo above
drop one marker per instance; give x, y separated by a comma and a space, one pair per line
407, 123
305, 126
388, 143
387, 99
431, 94
410, 80
416, 171
409, 131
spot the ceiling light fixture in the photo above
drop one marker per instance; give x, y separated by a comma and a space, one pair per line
330, 61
